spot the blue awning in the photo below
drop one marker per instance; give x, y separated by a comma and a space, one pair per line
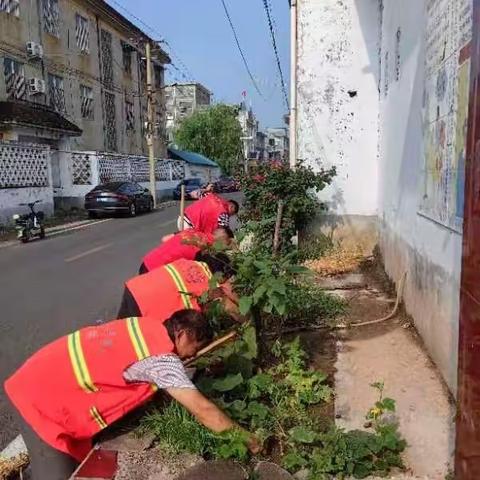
191, 157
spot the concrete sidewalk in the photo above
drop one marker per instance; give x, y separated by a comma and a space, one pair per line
393, 353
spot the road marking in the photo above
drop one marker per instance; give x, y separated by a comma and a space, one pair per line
88, 252
77, 227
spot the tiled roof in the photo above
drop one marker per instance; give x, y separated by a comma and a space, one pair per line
34, 115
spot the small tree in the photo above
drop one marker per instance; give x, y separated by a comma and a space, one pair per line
215, 133
266, 184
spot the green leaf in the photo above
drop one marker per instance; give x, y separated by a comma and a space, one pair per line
388, 404
260, 384
227, 383
302, 435
237, 363
258, 410
259, 293
245, 304
249, 338
293, 461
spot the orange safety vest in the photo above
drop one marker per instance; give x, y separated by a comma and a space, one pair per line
73, 388
168, 289
203, 214
179, 246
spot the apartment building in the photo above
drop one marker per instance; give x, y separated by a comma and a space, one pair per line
74, 77
277, 147
182, 100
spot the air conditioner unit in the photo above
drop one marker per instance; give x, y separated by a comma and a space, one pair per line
36, 85
34, 50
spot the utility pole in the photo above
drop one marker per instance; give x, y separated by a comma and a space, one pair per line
293, 84
150, 122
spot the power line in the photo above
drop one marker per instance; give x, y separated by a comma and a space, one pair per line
275, 50
254, 82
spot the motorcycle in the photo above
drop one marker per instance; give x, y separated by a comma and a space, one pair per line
29, 225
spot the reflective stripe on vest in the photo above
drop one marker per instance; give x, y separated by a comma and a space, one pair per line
205, 268
182, 289
98, 418
138, 341
79, 365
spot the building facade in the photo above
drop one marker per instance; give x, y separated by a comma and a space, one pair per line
249, 125
383, 94
83, 61
261, 146
277, 144
182, 100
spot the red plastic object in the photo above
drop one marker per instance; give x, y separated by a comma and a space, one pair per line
101, 465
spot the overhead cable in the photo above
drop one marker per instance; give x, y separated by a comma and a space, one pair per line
275, 51
252, 78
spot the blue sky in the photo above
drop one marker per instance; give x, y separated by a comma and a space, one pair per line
201, 37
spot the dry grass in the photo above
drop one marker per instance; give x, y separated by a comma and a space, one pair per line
339, 260
12, 466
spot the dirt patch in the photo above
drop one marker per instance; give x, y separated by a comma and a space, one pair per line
154, 464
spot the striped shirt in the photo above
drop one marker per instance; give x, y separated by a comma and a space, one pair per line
165, 371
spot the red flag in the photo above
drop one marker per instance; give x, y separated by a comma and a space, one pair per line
244, 93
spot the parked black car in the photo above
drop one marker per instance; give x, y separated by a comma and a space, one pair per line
118, 197
191, 185
226, 184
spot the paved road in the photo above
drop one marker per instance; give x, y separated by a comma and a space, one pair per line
52, 287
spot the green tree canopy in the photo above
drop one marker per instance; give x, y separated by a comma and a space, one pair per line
215, 133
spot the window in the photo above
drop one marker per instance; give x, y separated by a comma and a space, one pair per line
110, 122
82, 33
14, 79
127, 57
56, 93
106, 54
129, 116
86, 98
158, 76
51, 17
10, 6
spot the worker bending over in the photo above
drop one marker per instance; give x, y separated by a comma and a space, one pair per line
208, 213
179, 285
185, 244
76, 386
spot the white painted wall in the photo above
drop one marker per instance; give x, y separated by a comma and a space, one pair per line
10, 198
397, 142
338, 53
428, 251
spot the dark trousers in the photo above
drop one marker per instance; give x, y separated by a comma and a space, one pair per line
128, 307
46, 463
143, 269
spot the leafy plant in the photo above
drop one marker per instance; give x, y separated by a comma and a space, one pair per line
274, 403
266, 184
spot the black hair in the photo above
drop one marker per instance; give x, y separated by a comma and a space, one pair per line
217, 263
235, 204
228, 231
193, 322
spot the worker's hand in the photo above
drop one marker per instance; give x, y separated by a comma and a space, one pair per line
254, 445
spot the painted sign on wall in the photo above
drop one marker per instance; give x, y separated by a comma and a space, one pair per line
445, 109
